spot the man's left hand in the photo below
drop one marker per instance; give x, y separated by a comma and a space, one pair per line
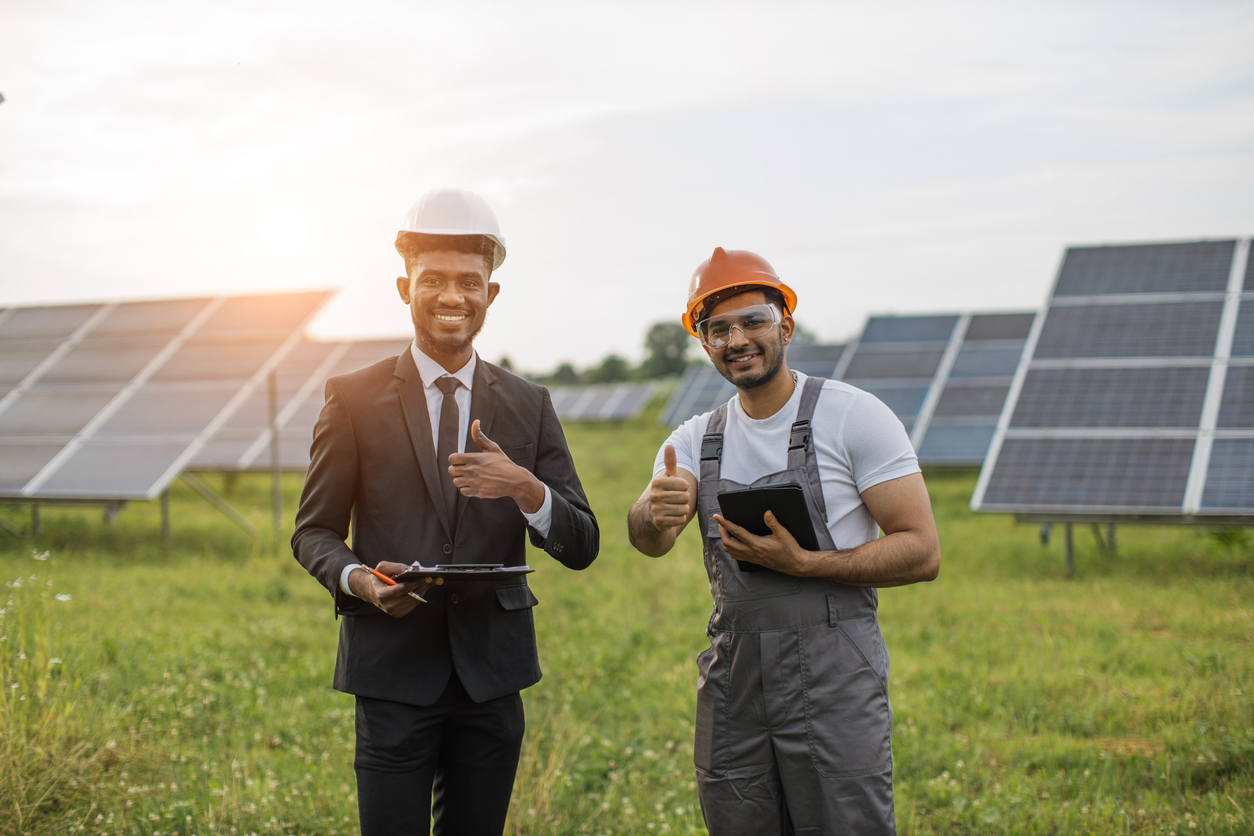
778, 550
491, 474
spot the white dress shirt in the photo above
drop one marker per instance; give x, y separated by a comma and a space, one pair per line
431, 371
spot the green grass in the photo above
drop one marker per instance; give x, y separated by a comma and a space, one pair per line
191, 688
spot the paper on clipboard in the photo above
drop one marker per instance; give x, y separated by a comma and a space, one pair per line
464, 572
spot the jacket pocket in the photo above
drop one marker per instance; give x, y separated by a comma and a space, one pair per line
523, 455
516, 597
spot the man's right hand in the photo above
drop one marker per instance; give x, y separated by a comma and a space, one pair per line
669, 494
393, 600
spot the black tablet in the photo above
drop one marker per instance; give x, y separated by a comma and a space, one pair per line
465, 572
747, 506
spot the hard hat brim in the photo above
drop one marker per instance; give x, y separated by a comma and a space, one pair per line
498, 254
690, 323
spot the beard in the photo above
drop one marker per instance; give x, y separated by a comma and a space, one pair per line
434, 346
772, 364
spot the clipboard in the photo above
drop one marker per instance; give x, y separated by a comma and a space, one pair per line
786, 500
465, 572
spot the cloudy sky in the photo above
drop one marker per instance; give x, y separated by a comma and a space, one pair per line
886, 157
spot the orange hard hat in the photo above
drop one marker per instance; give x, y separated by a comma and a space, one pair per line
727, 269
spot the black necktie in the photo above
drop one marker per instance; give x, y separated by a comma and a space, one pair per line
450, 417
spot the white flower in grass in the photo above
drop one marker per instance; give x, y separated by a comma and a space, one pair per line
64, 596
55, 660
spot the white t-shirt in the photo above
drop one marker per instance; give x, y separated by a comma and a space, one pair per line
858, 441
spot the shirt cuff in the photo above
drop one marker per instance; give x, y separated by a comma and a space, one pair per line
542, 519
348, 570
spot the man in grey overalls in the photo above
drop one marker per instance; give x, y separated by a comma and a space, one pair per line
793, 722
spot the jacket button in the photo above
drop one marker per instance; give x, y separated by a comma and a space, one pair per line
455, 599
448, 548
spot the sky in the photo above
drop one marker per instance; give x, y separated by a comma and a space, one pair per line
895, 157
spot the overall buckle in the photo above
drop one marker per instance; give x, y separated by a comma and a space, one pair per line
800, 437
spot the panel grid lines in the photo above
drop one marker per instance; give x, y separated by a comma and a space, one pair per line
948, 389
242, 442
122, 397
1215, 388
57, 354
1131, 406
97, 421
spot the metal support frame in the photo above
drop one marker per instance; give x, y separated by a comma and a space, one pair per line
276, 467
112, 509
1105, 542
165, 515
36, 520
1070, 564
218, 502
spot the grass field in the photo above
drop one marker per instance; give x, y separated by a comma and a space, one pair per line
184, 688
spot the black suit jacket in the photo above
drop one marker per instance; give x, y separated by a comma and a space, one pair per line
372, 463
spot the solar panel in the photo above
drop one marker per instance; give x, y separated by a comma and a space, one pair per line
243, 441
945, 376
601, 402
109, 401
701, 388
1136, 398
897, 358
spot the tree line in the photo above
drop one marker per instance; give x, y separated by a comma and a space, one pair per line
666, 353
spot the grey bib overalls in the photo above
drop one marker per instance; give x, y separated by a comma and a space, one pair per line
793, 723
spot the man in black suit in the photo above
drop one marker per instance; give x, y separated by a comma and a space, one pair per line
437, 680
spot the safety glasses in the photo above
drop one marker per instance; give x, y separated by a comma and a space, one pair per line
755, 321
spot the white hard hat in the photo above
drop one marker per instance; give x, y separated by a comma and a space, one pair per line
455, 212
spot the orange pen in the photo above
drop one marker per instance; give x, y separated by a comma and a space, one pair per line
391, 582
380, 575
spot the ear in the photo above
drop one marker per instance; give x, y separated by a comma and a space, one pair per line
493, 289
786, 327
402, 287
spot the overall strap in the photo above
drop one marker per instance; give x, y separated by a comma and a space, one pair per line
800, 443
711, 461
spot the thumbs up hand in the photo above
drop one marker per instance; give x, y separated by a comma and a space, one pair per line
670, 493
491, 475
486, 444
669, 460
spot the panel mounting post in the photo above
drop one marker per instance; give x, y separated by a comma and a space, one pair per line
1070, 565
217, 502
165, 515
36, 522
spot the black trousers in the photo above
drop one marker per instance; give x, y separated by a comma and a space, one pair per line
454, 759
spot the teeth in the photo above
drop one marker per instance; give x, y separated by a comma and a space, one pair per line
447, 318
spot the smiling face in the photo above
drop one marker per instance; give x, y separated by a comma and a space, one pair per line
750, 363
448, 294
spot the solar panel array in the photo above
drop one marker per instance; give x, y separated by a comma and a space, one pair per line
959, 416
897, 358
702, 388
1137, 398
945, 376
110, 401
243, 441
601, 402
